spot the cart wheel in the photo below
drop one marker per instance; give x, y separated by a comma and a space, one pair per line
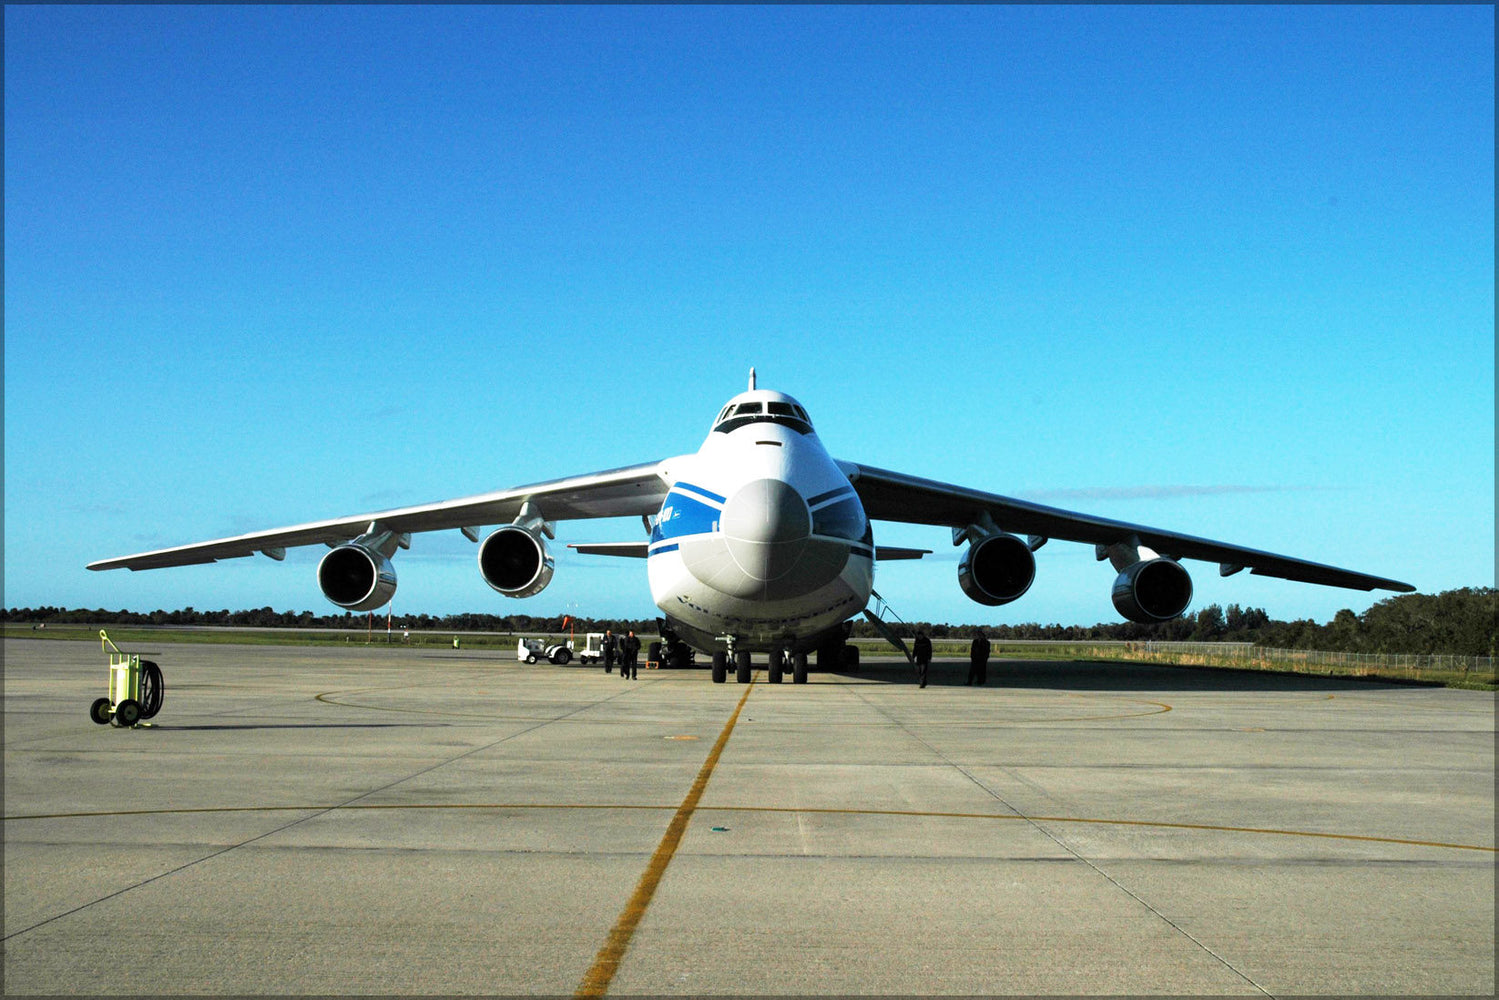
100, 711
562, 656
530, 657
128, 712
153, 690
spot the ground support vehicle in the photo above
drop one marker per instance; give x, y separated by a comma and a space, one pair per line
136, 689
531, 650
593, 648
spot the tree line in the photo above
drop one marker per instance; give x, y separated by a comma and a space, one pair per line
1454, 622
1461, 622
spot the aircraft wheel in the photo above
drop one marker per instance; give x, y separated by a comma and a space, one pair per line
799, 669
720, 667
100, 711
850, 657
742, 666
128, 712
153, 690
777, 659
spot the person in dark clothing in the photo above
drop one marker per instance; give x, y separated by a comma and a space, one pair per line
922, 650
629, 649
978, 659
611, 650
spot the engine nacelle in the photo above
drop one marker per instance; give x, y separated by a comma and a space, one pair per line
356, 577
996, 569
1152, 591
515, 561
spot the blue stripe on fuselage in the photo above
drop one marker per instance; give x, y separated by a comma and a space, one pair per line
685, 514
830, 495
701, 493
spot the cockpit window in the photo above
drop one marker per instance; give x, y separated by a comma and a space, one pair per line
773, 411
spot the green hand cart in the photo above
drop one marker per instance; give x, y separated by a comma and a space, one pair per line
136, 689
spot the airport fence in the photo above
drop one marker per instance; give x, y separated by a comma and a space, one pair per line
1441, 668
1411, 666
1437, 668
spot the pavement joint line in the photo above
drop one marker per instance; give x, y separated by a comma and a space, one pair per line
316, 812
1036, 824
809, 810
600, 974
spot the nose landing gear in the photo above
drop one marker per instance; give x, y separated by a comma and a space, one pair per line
780, 662
741, 658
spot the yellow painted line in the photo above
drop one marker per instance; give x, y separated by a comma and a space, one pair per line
599, 975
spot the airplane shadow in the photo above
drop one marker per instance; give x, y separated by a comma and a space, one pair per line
1080, 675
297, 725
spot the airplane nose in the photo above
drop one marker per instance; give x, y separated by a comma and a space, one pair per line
766, 525
766, 511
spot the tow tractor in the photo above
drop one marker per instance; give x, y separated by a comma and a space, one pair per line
531, 650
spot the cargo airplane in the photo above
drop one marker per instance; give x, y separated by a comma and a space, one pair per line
760, 541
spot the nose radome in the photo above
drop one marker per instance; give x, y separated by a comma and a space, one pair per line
766, 511
766, 526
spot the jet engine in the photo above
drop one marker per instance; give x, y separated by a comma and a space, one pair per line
996, 569
1152, 590
514, 560
357, 575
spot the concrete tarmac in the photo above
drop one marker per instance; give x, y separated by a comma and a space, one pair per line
435, 821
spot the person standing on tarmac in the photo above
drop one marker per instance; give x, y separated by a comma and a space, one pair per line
923, 654
978, 659
611, 649
629, 650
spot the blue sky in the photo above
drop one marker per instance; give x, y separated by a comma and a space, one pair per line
1227, 270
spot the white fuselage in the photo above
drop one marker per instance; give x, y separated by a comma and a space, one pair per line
761, 537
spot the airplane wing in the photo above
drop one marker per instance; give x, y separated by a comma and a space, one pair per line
628, 550
632, 491
893, 496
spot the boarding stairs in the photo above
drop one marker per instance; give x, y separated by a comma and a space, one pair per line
881, 611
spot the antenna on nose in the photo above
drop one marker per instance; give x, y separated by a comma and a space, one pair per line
752, 380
